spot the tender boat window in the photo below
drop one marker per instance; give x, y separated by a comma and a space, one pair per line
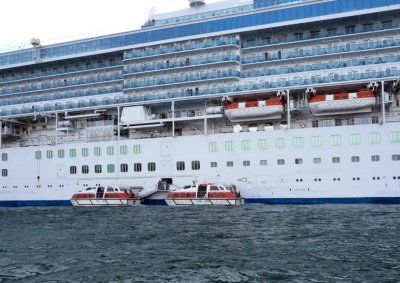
110, 190
214, 188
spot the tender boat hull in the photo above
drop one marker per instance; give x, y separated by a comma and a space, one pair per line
105, 202
205, 201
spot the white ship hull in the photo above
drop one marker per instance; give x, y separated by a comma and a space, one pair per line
364, 181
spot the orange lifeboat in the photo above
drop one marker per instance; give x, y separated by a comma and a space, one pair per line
254, 110
205, 194
102, 196
342, 103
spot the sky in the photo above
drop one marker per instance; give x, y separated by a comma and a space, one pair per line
62, 20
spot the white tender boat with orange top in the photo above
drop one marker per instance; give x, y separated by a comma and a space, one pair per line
205, 194
105, 196
254, 109
342, 103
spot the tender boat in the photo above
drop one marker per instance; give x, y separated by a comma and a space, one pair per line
342, 103
205, 194
254, 109
105, 196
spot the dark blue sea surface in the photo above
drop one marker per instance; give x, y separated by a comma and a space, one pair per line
252, 243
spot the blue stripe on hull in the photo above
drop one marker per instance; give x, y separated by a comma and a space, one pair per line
154, 202
16, 203
377, 200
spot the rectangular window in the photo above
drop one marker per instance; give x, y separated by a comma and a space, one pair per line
85, 152
4, 157
245, 145
246, 163
61, 153
97, 151
137, 167
72, 153
396, 157
4, 172
262, 144
263, 162
280, 143
355, 159
335, 159
355, 139
38, 155
110, 168
124, 167
212, 147
316, 141
137, 149
229, 164
151, 166
229, 146
298, 142
97, 169
196, 165
214, 164
374, 138
110, 150
375, 158
180, 165
298, 161
317, 160
123, 149
49, 154
280, 161
335, 140
395, 137
72, 170
85, 169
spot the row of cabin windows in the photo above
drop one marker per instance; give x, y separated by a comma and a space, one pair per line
195, 165
137, 167
97, 151
280, 143
298, 142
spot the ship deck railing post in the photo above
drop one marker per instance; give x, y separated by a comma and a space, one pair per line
56, 141
288, 108
173, 117
205, 118
1, 131
118, 149
383, 101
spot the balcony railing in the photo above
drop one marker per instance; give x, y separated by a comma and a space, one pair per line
181, 48
343, 48
181, 63
108, 101
182, 79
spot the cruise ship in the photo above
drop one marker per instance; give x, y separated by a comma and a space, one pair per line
292, 101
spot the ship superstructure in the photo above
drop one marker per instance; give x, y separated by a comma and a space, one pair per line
294, 101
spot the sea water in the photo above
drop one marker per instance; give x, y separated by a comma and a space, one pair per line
251, 243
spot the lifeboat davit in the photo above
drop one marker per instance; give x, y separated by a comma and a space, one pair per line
205, 194
255, 110
105, 196
342, 103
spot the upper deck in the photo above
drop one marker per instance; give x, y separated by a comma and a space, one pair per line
259, 15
